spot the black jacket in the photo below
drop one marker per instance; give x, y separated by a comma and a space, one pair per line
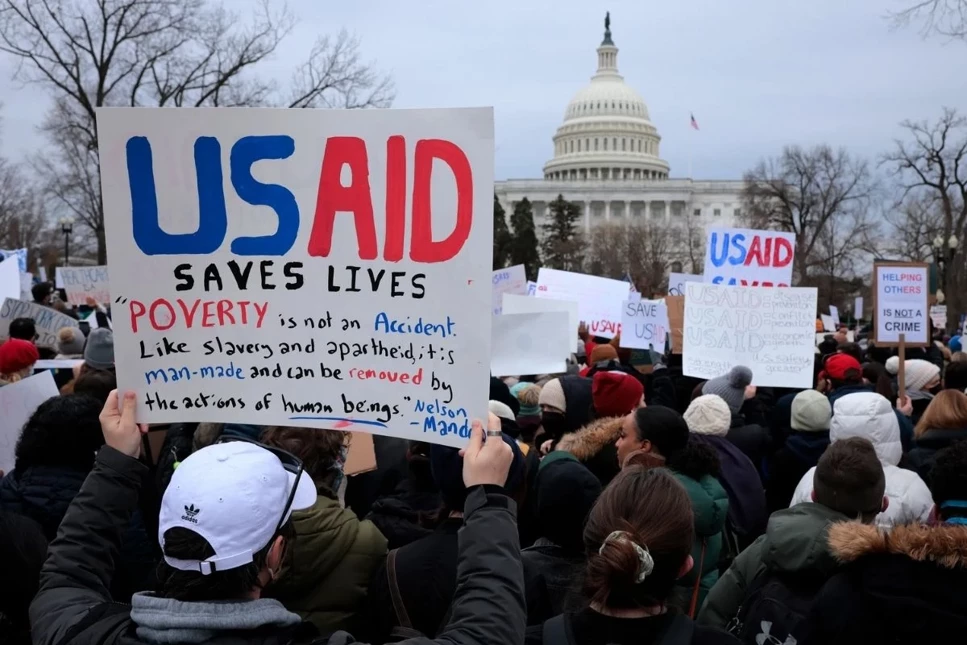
74, 603
800, 452
403, 516
898, 587
750, 438
552, 580
924, 453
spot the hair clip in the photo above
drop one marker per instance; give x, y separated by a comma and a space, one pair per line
646, 564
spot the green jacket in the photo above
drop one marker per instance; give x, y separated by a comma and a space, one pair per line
795, 542
710, 505
329, 565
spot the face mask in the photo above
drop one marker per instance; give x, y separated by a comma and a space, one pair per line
554, 423
936, 389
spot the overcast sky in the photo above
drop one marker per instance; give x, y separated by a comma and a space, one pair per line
757, 74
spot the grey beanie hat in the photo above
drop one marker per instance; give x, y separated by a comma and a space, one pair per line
70, 341
731, 387
99, 352
811, 412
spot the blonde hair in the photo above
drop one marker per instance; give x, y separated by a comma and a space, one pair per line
947, 411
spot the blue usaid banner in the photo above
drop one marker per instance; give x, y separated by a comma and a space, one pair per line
302, 267
749, 258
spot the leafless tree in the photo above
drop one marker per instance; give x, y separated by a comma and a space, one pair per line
913, 225
931, 167
821, 195
637, 249
946, 18
101, 53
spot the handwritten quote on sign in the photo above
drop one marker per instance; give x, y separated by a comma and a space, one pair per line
771, 331
302, 267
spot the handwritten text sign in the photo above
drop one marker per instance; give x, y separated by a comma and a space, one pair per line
900, 303
749, 258
18, 401
302, 267
599, 299
676, 282
644, 324
770, 331
47, 321
509, 280
82, 283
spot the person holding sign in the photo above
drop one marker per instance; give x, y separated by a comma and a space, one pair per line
240, 496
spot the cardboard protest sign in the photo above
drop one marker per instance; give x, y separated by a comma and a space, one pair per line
900, 294
20, 254
514, 304
509, 280
302, 267
834, 314
18, 401
10, 284
770, 331
82, 283
675, 306
361, 456
676, 282
599, 299
644, 324
746, 257
529, 343
47, 321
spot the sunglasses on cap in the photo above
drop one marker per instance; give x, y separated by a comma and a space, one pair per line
290, 463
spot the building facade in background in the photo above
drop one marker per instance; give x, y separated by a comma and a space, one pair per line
607, 159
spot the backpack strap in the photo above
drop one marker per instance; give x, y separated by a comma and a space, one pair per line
554, 631
693, 606
402, 618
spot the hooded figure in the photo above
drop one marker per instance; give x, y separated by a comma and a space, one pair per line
922, 382
869, 415
708, 418
569, 400
805, 444
733, 388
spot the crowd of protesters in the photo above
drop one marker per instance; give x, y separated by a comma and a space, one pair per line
620, 503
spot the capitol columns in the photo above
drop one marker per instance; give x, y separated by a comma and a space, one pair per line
607, 210
587, 216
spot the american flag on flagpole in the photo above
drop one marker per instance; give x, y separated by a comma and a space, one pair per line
694, 122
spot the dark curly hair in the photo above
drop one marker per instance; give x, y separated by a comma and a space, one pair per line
319, 450
96, 383
948, 479
64, 431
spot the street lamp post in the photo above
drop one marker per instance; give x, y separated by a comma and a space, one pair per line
943, 251
66, 227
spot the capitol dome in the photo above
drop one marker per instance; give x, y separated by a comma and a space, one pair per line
607, 134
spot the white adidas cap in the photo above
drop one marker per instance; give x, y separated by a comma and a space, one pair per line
233, 495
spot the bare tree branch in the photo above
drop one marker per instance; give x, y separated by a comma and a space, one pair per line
947, 18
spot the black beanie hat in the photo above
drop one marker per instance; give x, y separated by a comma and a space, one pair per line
663, 427
566, 491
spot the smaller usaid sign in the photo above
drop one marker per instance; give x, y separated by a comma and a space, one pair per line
749, 258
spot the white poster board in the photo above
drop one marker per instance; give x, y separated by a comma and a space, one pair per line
47, 321
509, 280
514, 304
26, 286
834, 314
531, 288
746, 257
18, 401
676, 282
770, 331
644, 324
858, 307
938, 316
900, 296
10, 284
525, 343
82, 283
599, 299
352, 249
828, 323
20, 254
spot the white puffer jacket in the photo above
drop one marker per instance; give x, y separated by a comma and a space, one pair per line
869, 415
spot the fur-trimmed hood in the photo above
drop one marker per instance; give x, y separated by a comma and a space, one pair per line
592, 438
944, 545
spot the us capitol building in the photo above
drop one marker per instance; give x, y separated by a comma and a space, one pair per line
607, 160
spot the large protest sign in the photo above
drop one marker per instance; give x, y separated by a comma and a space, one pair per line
82, 283
644, 324
20, 254
509, 280
746, 257
599, 299
11, 285
47, 321
900, 303
528, 343
770, 331
302, 267
17, 402
514, 304
676, 282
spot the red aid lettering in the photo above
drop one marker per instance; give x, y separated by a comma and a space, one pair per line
767, 251
395, 198
422, 246
189, 313
755, 252
333, 197
154, 319
778, 258
137, 310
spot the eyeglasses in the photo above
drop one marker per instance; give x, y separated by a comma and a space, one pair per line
290, 463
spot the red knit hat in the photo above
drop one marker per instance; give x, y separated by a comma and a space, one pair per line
615, 394
16, 354
838, 364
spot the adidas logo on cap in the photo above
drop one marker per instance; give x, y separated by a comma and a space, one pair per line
190, 513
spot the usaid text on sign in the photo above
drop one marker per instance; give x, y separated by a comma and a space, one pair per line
316, 268
749, 258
